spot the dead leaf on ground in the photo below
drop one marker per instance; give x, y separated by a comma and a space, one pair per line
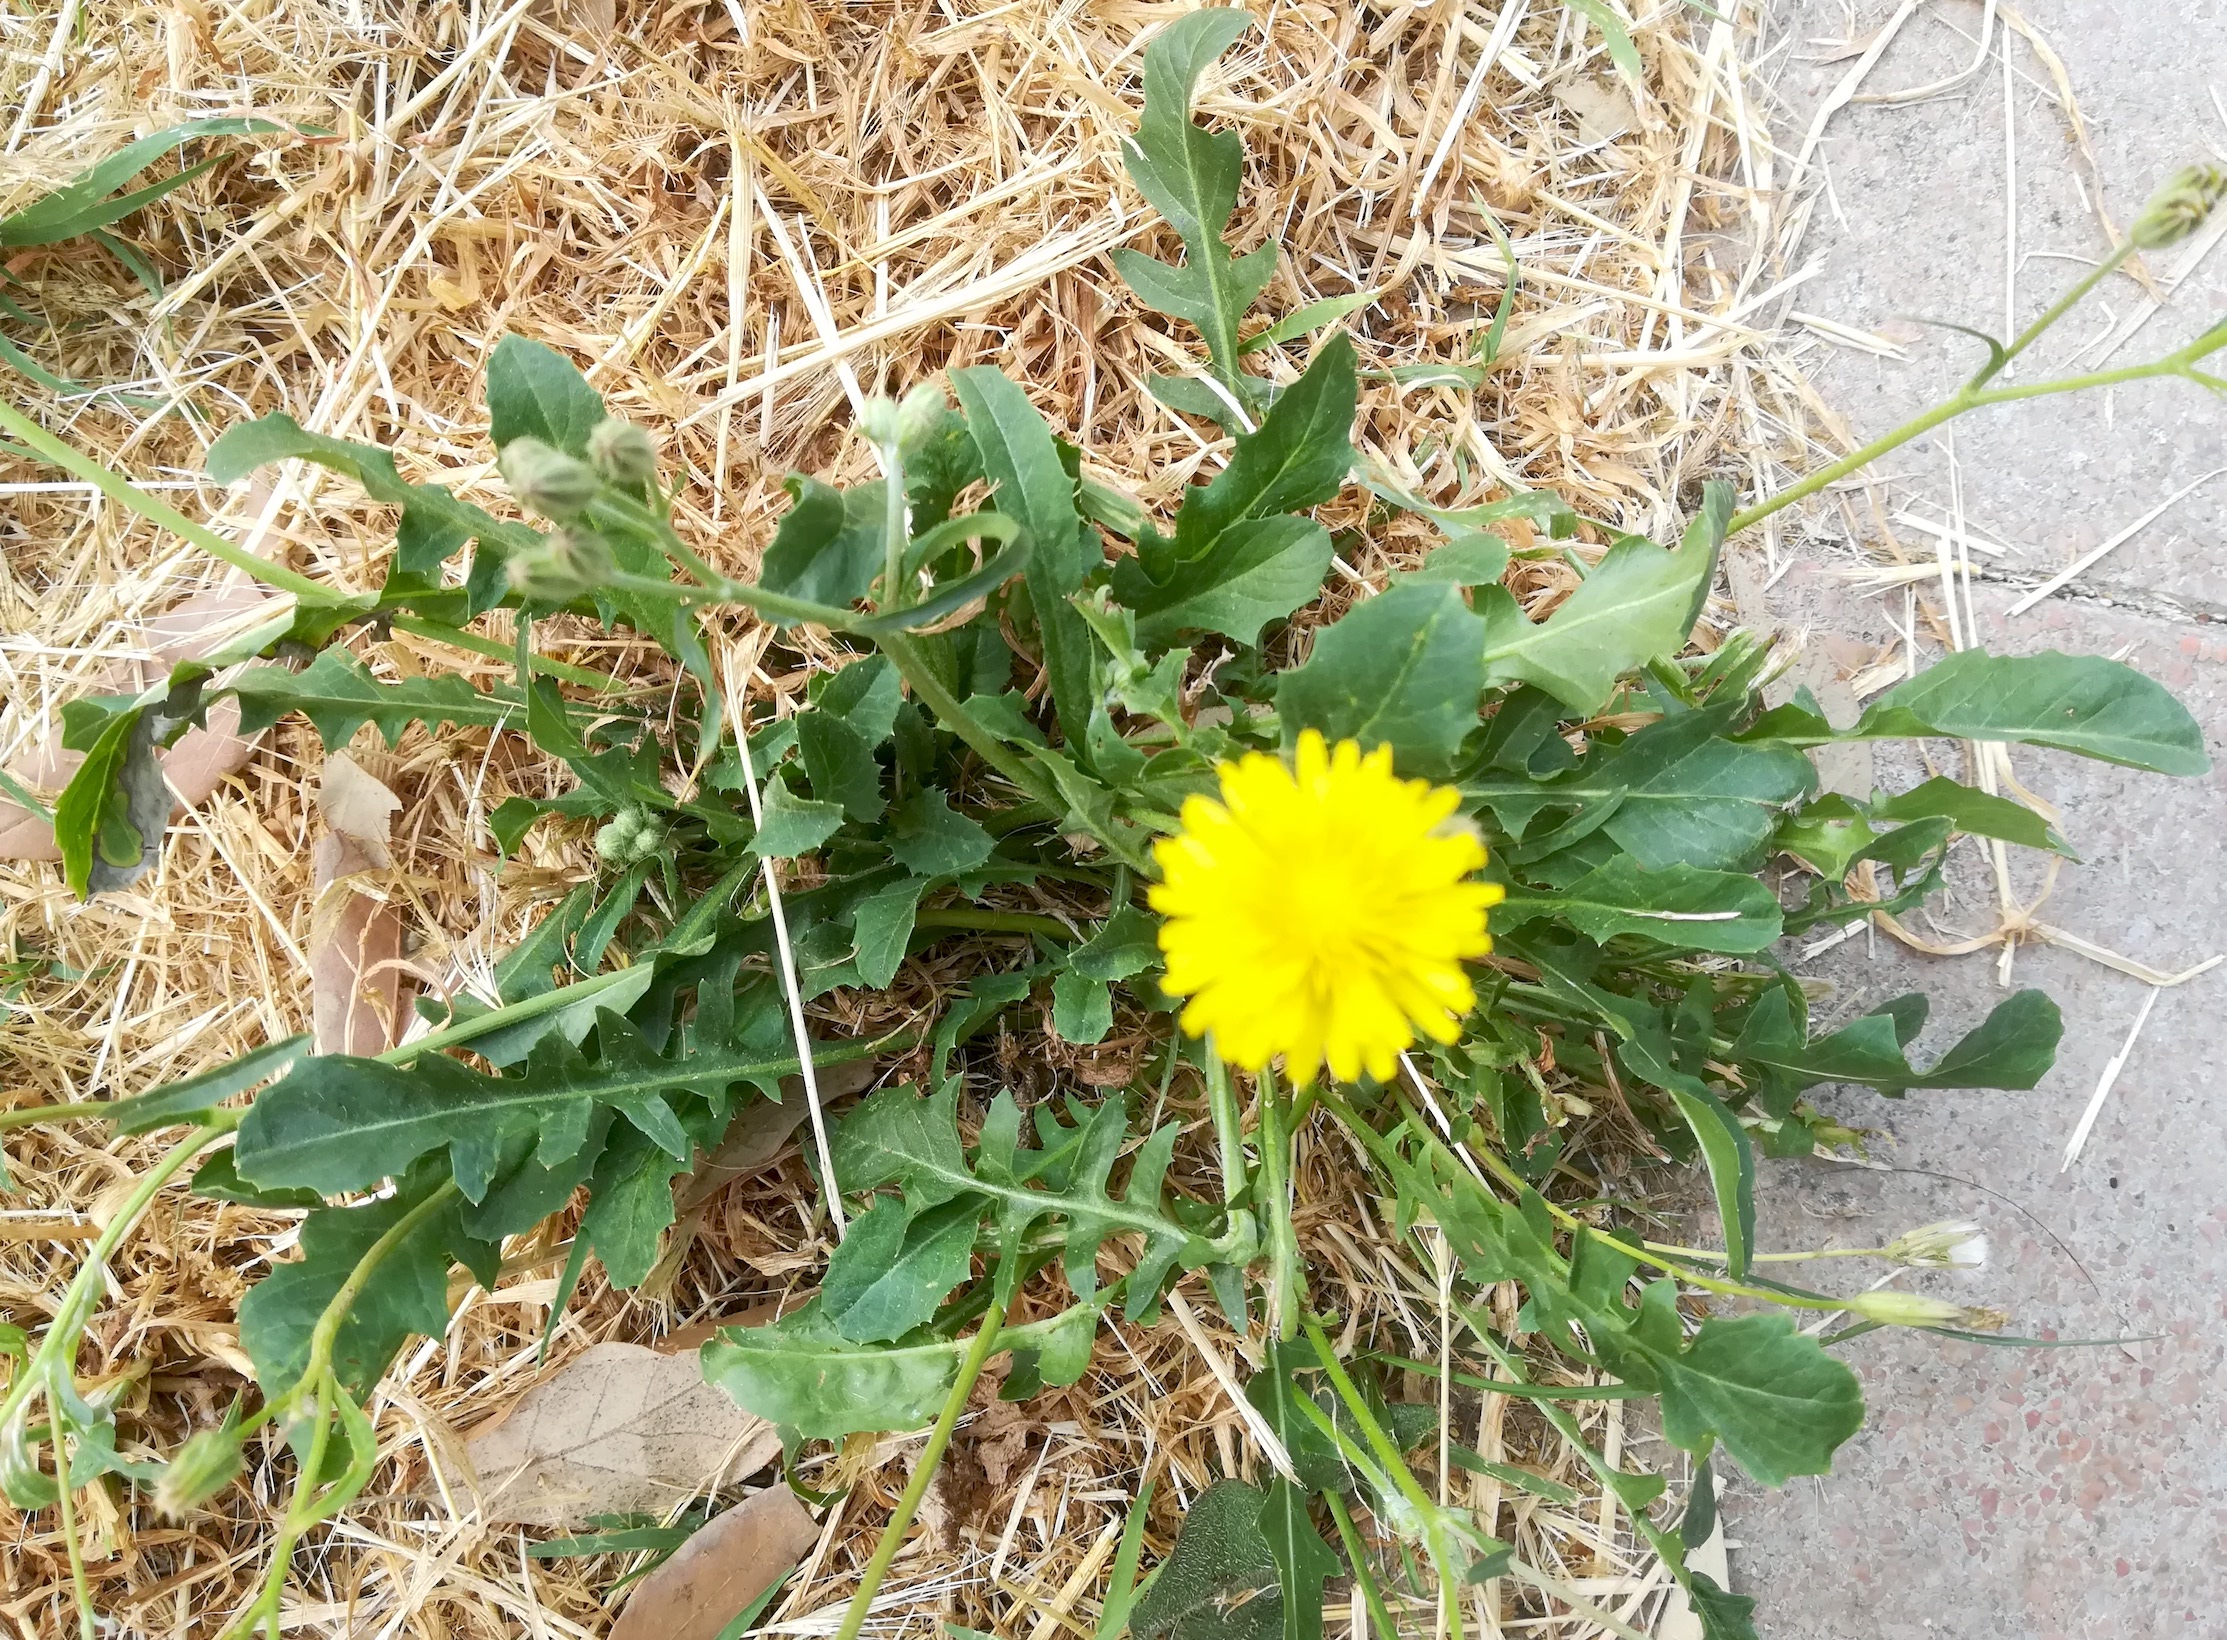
720, 1570
1602, 107
623, 1430
355, 938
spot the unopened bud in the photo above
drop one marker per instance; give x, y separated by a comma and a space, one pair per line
877, 421
1957, 1244
203, 1467
546, 479
919, 416
1895, 1308
562, 566
633, 835
2179, 208
622, 452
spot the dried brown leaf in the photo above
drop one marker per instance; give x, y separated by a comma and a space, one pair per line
720, 1570
355, 938
622, 1430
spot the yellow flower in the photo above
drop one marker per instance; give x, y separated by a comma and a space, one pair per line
1322, 913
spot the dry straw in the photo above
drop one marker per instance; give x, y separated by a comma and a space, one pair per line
737, 216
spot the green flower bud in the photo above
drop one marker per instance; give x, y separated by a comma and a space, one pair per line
203, 1467
631, 836
2179, 208
919, 416
1896, 1308
1955, 1245
877, 421
622, 452
563, 566
547, 480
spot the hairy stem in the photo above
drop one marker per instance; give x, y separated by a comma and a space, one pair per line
924, 1471
1286, 1276
59, 1347
122, 491
1229, 1131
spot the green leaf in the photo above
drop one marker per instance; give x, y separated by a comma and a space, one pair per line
827, 548
1300, 456
2076, 703
109, 819
183, 1100
802, 1374
1724, 1615
1030, 482
630, 1203
1403, 668
219, 1180
932, 839
1472, 558
337, 1123
1675, 905
793, 825
1082, 1009
407, 1293
339, 696
897, 1137
1220, 1554
1127, 943
533, 391
1275, 1394
1303, 1561
1260, 571
840, 764
1776, 1400
82, 204
1731, 1159
1638, 605
1191, 175
883, 925
1970, 810
2012, 1048
434, 523
1299, 321
892, 1270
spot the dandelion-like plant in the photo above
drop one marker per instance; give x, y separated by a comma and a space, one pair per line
1321, 912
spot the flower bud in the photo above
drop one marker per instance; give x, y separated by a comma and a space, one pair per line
2179, 208
1957, 1244
622, 452
919, 416
1895, 1308
633, 835
562, 566
877, 421
546, 479
202, 1468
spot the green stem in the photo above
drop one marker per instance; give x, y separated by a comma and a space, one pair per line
24, 798
894, 534
912, 665
2055, 311
81, 1587
128, 494
335, 1314
1286, 1277
59, 1346
1229, 1130
1356, 1558
464, 1030
1968, 397
477, 643
924, 1470
995, 922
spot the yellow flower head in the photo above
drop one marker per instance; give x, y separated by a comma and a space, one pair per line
1322, 913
